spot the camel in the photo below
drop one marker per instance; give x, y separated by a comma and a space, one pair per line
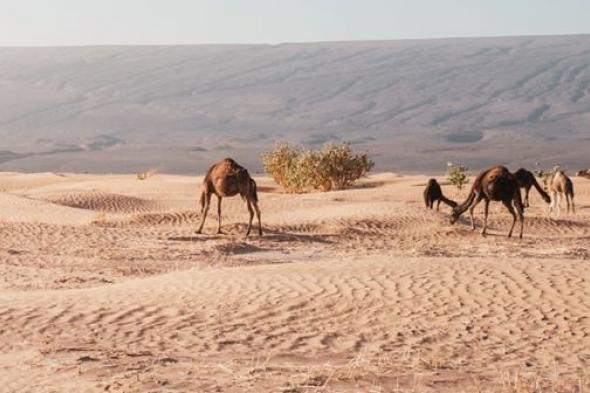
561, 186
225, 179
433, 193
526, 180
493, 184
584, 173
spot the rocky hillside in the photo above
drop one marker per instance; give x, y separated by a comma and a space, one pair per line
413, 104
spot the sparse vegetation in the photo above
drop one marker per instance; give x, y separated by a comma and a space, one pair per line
457, 175
147, 174
334, 167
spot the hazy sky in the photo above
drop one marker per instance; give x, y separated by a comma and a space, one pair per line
89, 22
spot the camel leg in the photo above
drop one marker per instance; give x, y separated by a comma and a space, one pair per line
251, 211
219, 214
520, 213
437, 205
258, 216
204, 211
558, 205
508, 205
526, 196
552, 204
485, 216
471, 208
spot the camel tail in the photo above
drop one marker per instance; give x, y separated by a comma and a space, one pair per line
203, 199
569, 188
253, 190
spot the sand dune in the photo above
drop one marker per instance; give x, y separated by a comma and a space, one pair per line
107, 288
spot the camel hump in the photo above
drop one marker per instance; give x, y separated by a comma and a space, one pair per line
432, 182
229, 166
230, 161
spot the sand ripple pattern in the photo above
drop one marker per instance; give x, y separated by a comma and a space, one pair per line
467, 314
106, 287
105, 202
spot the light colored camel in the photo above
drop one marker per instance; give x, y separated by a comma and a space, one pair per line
225, 179
494, 184
561, 187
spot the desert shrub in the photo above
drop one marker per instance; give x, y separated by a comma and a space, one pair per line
457, 175
147, 174
547, 174
334, 167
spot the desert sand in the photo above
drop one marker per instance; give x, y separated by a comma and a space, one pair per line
106, 287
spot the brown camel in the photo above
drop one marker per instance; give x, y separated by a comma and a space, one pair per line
433, 193
561, 186
526, 180
494, 184
226, 179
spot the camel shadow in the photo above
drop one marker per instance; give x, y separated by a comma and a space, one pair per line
297, 237
195, 238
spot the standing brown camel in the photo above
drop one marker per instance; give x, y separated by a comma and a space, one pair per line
561, 186
225, 179
494, 184
526, 180
433, 193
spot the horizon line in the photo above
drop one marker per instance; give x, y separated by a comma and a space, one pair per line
442, 38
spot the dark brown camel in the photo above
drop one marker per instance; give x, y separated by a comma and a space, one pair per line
526, 180
494, 184
433, 193
226, 179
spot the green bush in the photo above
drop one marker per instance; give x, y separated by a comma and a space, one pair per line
457, 175
334, 167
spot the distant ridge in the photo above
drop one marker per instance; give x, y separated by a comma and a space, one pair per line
415, 104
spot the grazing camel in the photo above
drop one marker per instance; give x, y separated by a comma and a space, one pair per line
433, 193
494, 184
225, 179
526, 180
561, 186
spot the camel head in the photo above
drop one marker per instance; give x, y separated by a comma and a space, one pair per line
546, 198
455, 214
